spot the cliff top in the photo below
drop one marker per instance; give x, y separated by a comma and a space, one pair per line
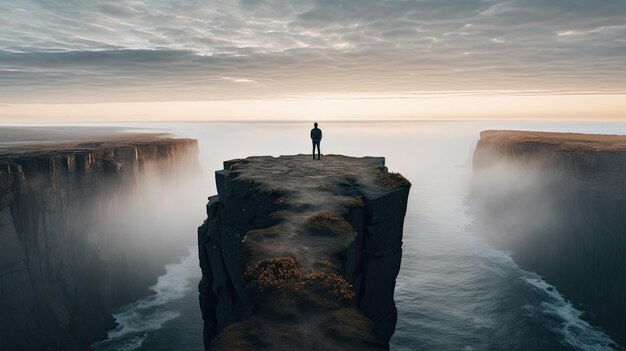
320, 254
313, 196
573, 142
50, 148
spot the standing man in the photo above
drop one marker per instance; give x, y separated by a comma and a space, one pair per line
316, 137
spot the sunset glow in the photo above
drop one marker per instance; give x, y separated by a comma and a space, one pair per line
593, 106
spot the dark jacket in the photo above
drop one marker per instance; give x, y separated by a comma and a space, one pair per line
316, 134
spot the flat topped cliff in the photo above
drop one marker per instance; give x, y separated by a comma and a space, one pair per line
557, 202
574, 142
121, 156
589, 157
302, 254
96, 143
313, 196
70, 250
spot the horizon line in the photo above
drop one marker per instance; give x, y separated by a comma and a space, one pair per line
281, 121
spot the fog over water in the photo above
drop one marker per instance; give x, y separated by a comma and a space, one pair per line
454, 291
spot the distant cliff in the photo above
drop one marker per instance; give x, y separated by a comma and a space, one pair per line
66, 255
558, 201
302, 254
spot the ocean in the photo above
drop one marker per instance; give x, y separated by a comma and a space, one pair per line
454, 290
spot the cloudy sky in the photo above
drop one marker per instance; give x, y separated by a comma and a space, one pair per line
238, 57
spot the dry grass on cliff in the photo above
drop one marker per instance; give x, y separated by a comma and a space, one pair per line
328, 223
281, 274
392, 180
355, 202
332, 288
284, 276
236, 165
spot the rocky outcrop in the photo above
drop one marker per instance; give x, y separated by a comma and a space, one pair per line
302, 254
558, 200
66, 256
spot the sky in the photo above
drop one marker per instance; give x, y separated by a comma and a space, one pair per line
75, 60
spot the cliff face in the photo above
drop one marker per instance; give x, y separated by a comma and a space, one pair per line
558, 202
302, 254
66, 257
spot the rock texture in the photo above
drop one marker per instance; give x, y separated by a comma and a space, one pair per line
302, 254
64, 260
558, 201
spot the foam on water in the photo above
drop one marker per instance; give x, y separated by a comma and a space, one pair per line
576, 332
136, 320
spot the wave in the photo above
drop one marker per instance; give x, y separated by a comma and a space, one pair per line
136, 320
576, 331
568, 322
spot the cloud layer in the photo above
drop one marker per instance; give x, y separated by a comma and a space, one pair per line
155, 50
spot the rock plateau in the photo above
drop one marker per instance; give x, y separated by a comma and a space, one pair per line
298, 254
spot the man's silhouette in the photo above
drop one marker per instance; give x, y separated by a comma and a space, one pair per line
316, 137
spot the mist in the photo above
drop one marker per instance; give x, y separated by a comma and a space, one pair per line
151, 222
514, 202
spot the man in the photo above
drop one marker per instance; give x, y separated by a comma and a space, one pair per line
316, 137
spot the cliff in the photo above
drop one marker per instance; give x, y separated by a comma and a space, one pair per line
302, 254
67, 254
557, 200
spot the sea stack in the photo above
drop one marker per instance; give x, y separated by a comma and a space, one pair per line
302, 254
558, 202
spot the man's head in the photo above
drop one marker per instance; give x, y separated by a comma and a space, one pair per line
315, 124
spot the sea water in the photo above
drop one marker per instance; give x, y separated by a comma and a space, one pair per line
454, 291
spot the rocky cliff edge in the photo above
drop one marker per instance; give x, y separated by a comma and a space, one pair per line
302, 254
